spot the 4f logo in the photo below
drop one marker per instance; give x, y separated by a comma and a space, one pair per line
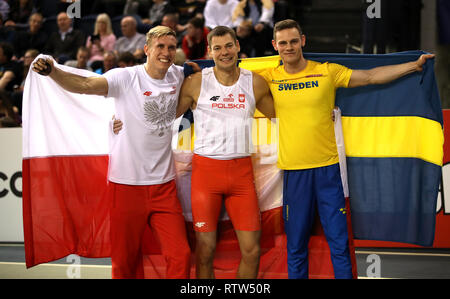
214, 98
374, 9
147, 93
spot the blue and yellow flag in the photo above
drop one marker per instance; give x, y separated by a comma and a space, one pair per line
394, 145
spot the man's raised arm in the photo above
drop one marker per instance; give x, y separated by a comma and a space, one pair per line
71, 82
388, 73
189, 93
263, 96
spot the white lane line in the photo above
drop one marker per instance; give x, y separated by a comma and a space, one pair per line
365, 277
55, 265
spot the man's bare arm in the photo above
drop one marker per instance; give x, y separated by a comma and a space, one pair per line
189, 93
388, 73
72, 82
6, 78
263, 96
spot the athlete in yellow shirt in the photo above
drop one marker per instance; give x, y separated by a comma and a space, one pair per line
304, 96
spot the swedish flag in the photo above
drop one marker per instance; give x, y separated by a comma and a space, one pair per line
394, 140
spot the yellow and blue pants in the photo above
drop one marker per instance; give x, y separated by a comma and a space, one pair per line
303, 192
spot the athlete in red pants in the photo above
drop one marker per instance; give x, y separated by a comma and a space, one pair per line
223, 100
135, 207
141, 165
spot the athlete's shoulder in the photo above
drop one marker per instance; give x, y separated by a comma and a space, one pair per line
177, 71
258, 79
121, 76
192, 82
195, 76
331, 65
267, 74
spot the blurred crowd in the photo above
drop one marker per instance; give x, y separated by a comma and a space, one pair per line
105, 34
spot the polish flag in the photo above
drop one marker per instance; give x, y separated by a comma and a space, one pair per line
65, 166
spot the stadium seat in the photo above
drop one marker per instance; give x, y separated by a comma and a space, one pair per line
50, 25
87, 24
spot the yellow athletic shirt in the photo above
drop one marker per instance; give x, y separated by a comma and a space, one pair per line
303, 104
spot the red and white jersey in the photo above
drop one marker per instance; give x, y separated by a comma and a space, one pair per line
141, 154
223, 117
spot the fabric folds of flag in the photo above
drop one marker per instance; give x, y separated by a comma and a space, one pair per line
394, 145
64, 169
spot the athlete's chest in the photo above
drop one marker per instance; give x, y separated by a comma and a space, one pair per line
308, 91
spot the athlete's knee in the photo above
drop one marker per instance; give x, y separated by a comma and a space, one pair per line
251, 254
181, 254
205, 250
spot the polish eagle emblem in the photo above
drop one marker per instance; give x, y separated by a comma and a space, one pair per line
161, 113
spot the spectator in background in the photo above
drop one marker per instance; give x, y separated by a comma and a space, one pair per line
157, 12
33, 38
260, 12
126, 59
7, 33
28, 58
8, 118
4, 9
171, 20
109, 62
102, 41
131, 41
195, 42
131, 7
81, 61
111, 7
16, 96
63, 45
246, 39
20, 11
219, 12
180, 57
187, 9
10, 74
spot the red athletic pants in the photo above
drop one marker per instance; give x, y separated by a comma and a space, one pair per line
135, 207
214, 181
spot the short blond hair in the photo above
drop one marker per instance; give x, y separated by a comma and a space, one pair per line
157, 32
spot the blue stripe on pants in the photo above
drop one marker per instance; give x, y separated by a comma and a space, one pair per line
303, 192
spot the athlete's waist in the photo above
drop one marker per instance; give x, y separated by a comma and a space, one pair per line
141, 181
220, 161
292, 164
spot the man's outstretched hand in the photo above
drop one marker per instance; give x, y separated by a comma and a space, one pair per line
43, 66
195, 67
117, 125
422, 60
